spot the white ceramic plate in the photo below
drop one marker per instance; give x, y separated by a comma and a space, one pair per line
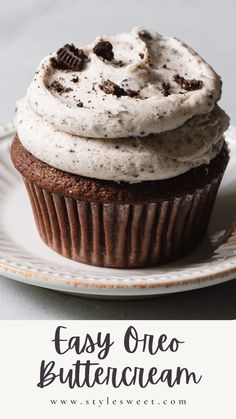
25, 258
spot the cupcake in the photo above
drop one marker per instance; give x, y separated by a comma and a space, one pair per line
121, 148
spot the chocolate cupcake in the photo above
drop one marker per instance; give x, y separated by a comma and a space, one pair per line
121, 147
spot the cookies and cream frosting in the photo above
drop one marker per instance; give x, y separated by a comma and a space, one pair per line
133, 107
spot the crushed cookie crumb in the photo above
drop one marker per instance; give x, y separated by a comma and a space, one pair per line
59, 88
166, 89
68, 89
132, 93
186, 84
75, 79
111, 88
56, 85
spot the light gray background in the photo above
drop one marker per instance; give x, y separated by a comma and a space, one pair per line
30, 29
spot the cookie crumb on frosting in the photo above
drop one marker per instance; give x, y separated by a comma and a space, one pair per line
132, 93
166, 89
75, 79
59, 88
188, 85
111, 88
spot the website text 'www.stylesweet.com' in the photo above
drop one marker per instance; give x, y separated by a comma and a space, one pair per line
117, 402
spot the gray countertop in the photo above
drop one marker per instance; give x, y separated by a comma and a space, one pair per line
20, 301
30, 29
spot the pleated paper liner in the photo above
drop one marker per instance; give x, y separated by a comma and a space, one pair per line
122, 235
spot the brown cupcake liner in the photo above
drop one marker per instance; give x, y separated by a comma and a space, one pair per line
122, 235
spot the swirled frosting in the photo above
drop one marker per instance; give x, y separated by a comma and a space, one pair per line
157, 118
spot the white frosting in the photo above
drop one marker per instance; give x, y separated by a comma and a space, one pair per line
158, 156
105, 114
132, 139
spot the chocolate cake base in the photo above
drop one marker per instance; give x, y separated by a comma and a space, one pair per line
120, 225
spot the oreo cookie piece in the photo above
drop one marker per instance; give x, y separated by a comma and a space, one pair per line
69, 58
104, 49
